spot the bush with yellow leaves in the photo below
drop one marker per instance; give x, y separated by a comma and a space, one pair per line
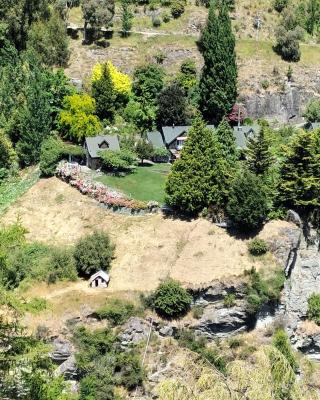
122, 82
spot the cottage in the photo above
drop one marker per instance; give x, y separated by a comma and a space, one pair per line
99, 279
93, 145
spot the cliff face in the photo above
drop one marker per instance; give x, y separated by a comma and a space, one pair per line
286, 106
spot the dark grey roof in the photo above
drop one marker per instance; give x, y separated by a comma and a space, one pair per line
171, 133
155, 138
93, 144
242, 133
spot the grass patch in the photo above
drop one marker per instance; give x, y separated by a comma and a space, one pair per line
15, 187
145, 183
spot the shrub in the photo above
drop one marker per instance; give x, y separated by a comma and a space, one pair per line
229, 300
54, 150
281, 342
312, 112
197, 312
288, 46
314, 308
156, 22
279, 5
171, 300
177, 8
62, 265
166, 18
121, 160
257, 247
93, 252
265, 84
36, 305
117, 311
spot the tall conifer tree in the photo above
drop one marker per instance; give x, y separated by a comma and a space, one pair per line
259, 158
218, 83
226, 139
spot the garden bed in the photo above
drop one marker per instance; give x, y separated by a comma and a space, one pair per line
105, 196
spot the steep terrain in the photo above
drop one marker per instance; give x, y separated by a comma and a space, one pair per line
263, 85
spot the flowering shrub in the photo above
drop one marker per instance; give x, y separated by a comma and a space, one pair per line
71, 173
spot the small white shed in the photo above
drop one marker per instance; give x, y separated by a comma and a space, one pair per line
99, 279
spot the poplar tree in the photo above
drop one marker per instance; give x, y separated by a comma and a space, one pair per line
218, 83
259, 158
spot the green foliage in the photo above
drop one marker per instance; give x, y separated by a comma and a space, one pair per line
259, 158
218, 83
144, 149
186, 338
161, 152
188, 74
156, 22
177, 8
262, 291
105, 96
93, 252
229, 300
8, 157
172, 104
314, 308
121, 160
312, 112
247, 203
141, 114
299, 184
35, 120
279, 5
197, 311
117, 311
103, 365
126, 17
49, 39
97, 13
281, 342
171, 300
148, 83
226, 140
36, 305
52, 151
77, 120
200, 177
257, 247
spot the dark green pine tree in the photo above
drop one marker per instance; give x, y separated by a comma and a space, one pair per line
259, 157
196, 180
218, 83
104, 94
35, 121
225, 136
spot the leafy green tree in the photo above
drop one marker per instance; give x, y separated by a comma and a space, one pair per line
259, 158
313, 16
126, 17
312, 112
198, 178
300, 171
18, 15
226, 139
281, 342
78, 120
279, 5
172, 104
97, 13
8, 157
104, 94
142, 115
247, 204
144, 150
218, 83
49, 39
93, 252
188, 74
171, 300
314, 308
148, 83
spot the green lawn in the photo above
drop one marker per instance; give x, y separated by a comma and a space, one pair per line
145, 183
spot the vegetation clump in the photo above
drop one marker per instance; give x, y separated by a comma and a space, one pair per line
117, 311
257, 247
93, 252
170, 300
314, 308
